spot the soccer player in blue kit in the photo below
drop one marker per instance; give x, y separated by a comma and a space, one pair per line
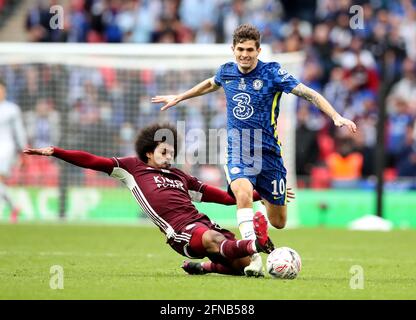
253, 90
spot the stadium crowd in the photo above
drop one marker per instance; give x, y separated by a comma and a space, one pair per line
348, 65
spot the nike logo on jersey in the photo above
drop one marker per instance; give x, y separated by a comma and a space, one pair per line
228, 81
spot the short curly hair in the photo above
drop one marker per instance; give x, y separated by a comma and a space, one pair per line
151, 136
246, 32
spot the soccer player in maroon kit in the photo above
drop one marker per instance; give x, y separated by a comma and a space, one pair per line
165, 194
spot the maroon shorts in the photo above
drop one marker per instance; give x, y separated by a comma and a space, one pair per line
188, 240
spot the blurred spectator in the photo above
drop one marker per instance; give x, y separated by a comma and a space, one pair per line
164, 32
406, 165
310, 77
307, 150
304, 10
31, 91
360, 68
408, 28
365, 142
205, 34
404, 91
77, 21
37, 22
362, 103
302, 29
321, 48
398, 121
111, 15
126, 139
401, 107
43, 125
335, 90
98, 137
137, 21
231, 17
341, 33
197, 13
345, 164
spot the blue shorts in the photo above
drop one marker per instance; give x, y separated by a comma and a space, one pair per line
268, 176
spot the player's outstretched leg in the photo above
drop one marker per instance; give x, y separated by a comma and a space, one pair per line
263, 244
199, 268
213, 244
191, 267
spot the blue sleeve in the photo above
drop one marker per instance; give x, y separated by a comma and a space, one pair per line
217, 78
283, 80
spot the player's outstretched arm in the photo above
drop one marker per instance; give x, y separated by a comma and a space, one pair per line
319, 101
216, 195
48, 151
79, 158
201, 88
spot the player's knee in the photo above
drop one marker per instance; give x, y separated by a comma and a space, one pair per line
212, 241
278, 223
244, 198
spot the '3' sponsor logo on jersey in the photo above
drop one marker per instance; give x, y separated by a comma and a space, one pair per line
243, 110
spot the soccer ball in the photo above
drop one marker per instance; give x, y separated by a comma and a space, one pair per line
284, 263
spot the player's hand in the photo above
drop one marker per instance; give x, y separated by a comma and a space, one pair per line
341, 121
290, 194
48, 151
169, 101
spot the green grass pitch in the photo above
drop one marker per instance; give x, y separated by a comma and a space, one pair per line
133, 262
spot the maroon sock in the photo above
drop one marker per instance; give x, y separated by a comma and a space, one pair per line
233, 249
211, 267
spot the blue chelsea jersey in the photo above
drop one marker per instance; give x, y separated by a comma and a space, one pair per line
253, 100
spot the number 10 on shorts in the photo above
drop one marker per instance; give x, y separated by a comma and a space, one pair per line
282, 187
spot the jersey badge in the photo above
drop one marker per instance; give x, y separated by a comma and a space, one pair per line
257, 84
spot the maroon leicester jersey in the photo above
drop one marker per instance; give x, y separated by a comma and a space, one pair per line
165, 195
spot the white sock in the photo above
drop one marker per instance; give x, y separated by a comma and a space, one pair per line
245, 223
